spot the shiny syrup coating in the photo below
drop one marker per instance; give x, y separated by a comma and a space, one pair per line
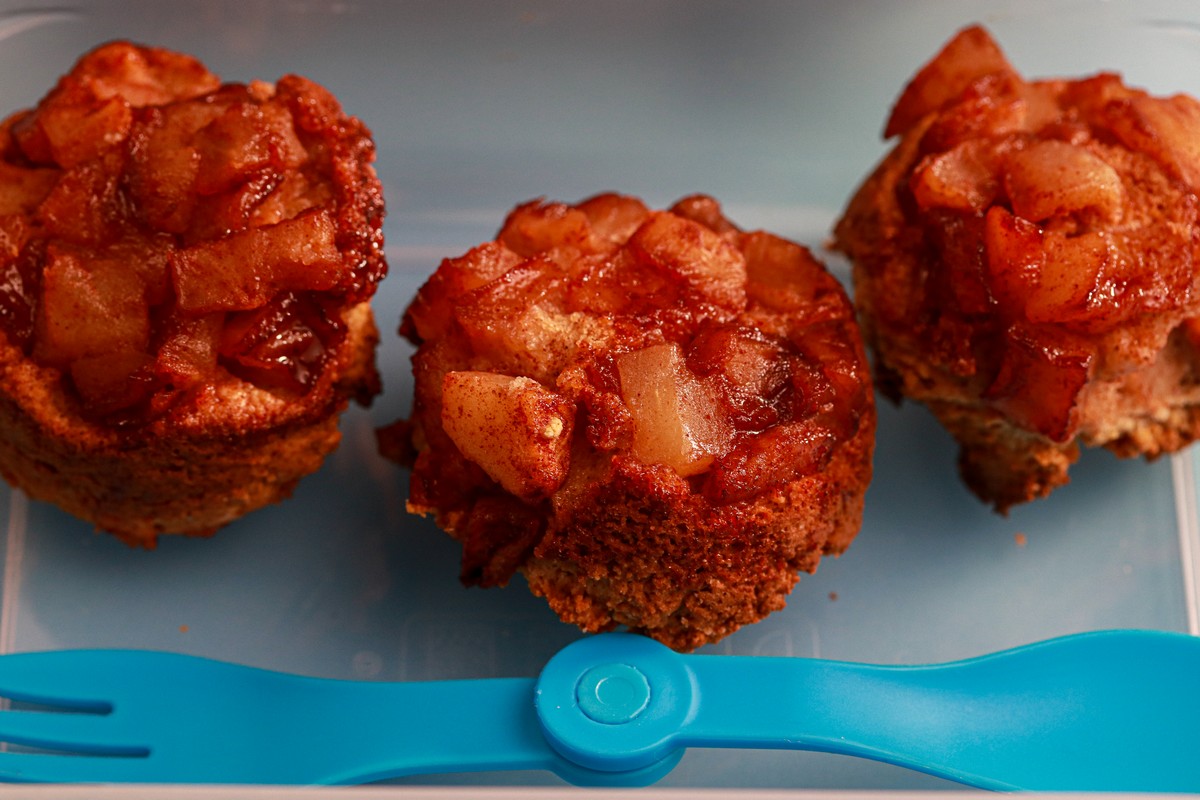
747, 344
160, 230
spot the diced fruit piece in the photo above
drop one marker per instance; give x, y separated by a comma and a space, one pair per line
1153, 270
1046, 276
277, 119
494, 314
15, 233
480, 265
164, 164
79, 126
189, 350
111, 382
516, 430
230, 211
751, 367
237, 145
1168, 129
147, 258
536, 227
609, 284
990, 106
1044, 104
282, 345
30, 139
613, 218
828, 348
1052, 178
965, 288
144, 75
246, 269
84, 206
773, 458
784, 276
1068, 276
1015, 257
516, 323
705, 210
291, 197
694, 256
970, 55
960, 179
430, 313
23, 188
89, 306
678, 420
744, 356
1038, 383
1094, 99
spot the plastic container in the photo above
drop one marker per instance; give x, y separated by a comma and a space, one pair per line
776, 109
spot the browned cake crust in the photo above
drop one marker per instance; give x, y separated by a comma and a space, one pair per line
647, 553
1025, 265
186, 268
235, 449
657, 418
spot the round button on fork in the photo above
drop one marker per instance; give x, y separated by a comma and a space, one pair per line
615, 702
613, 694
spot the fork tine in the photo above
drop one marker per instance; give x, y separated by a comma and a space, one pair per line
77, 733
54, 768
51, 678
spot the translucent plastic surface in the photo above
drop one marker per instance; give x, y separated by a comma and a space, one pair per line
776, 109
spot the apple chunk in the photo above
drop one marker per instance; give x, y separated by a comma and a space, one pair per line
1163, 128
960, 179
23, 188
1051, 178
246, 269
89, 306
515, 429
690, 254
967, 57
678, 420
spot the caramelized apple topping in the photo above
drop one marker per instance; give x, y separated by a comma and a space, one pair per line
160, 230
606, 330
283, 344
1057, 225
678, 420
518, 431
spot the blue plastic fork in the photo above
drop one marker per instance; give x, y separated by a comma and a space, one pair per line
1115, 711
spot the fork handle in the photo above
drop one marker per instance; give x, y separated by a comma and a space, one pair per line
350, 732
1076, 713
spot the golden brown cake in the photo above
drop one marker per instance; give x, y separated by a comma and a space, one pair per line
655, 417
1025, 265
186, 271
